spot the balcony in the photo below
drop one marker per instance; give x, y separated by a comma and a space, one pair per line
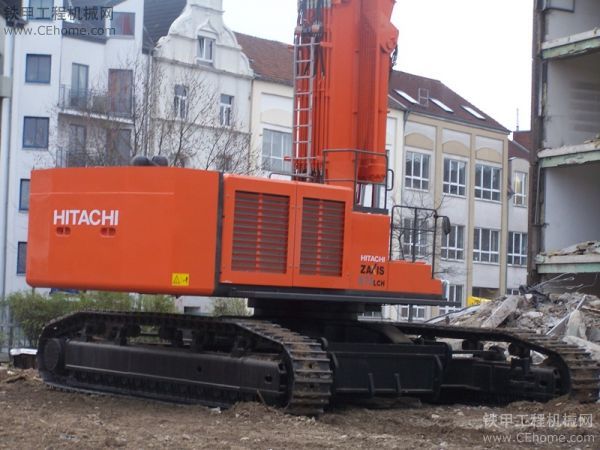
66, 157
101, 104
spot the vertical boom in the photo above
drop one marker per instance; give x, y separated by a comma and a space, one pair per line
342, 62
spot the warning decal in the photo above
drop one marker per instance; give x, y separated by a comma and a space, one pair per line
180, 279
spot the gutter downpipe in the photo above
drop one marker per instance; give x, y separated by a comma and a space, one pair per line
5, 167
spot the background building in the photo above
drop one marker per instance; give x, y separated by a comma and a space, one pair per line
200, 88
565, 185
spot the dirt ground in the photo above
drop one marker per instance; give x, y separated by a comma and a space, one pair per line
35, 417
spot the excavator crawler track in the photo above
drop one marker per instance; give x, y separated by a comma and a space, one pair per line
229, 360
218, 362
578, 373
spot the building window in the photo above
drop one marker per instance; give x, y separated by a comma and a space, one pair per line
520, 189
119, 147
21, 258
454, 293
24, 195
120, 89
79, 85
76, 155
373, 315
123, 24
517, 249
35, 132
412, 237
39, 10
206, 49
453, 244
226, 110
180, 104
418, 312
417, 171
276, 148
486, 247
487, 182
455, 177
37, 68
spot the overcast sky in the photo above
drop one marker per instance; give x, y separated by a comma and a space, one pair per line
479, 48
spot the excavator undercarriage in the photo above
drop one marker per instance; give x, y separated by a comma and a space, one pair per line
304, 366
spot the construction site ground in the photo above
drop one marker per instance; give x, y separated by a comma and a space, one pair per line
33, 416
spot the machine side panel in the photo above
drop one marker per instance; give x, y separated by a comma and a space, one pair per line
323, 236
368, 259
413, 278
132, 229
369, 265
258, 220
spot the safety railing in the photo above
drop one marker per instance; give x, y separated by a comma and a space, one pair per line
363, 187
413, 234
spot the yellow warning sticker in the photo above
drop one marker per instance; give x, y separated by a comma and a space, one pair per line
180, 279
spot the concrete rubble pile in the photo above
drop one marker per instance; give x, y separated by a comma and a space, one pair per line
583, 248
573, 317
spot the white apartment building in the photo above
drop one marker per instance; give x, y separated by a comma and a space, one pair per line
201, 89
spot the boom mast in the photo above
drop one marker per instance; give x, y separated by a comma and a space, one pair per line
342, 60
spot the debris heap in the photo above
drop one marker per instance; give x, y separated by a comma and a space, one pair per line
574, 317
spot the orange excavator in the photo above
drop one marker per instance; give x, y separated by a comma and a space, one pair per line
310, 254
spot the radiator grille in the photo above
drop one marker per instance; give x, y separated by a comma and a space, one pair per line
260, 232
322, 237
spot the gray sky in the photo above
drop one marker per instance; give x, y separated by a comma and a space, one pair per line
479, 48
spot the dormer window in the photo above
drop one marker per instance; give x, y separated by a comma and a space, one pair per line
206, 50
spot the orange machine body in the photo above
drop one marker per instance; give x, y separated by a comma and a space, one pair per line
195, 232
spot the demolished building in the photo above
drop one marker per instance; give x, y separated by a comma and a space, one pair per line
565, 179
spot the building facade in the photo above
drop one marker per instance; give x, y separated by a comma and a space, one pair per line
565, 184
201, 89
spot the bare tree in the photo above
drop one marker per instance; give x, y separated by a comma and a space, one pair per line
414, 228
193, 126
104, 124
152, 106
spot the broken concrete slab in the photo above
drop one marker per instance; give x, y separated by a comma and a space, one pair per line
593, 334
576, 325
500, 314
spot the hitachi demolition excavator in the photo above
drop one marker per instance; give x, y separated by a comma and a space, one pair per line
310, 253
